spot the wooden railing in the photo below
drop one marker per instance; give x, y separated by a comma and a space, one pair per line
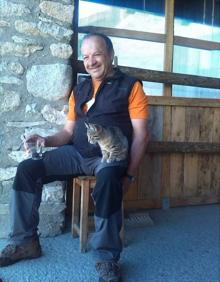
183, 147
154, 37
165, 77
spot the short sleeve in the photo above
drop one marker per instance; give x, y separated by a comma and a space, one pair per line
138, 102
71, 113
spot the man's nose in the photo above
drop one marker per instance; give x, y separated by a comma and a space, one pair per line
91, 61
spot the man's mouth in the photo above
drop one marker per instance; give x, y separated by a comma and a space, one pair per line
94, 69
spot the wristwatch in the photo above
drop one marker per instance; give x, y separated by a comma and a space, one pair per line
130, 177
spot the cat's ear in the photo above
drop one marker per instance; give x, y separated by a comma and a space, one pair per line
98, 128
92, 126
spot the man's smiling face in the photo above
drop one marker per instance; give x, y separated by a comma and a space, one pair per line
97, 60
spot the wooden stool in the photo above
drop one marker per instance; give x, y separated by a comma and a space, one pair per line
80, 209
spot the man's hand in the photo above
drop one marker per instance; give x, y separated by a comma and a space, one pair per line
39, 140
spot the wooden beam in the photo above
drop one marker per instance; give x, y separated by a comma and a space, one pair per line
165, 77
183, 147
196, 43
125, 33
183, 102
153, 37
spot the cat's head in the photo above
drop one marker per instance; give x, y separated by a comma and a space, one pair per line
94, 132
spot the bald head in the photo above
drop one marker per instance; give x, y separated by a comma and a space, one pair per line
98, 54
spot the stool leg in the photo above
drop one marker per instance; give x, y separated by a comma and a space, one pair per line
75, 209
84, 215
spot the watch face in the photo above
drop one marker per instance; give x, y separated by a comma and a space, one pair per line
131, 177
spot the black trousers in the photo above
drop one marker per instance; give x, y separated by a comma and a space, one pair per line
60, 164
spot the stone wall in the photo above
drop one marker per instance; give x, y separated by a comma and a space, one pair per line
35, 80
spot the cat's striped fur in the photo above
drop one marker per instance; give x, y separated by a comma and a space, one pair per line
113, 143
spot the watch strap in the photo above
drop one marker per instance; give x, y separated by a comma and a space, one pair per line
130, 177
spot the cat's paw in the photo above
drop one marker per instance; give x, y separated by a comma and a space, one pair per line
110, 160
104, 160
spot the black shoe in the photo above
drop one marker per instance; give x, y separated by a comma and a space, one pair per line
13, 253
108, 271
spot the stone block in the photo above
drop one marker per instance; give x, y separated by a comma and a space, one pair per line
5, 192
5, 226
7, 173
29, 28
58, 11
54, 116
18, 50
54, 30
49, 225
53, 192
61, 50
49, 208
9, 100
51, 82
9, 9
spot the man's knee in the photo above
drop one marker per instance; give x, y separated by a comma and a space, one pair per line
108, 191
34, 168
111, 173
28, 171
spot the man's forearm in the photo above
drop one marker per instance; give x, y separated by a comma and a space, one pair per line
62, 137
58, 139
138, 149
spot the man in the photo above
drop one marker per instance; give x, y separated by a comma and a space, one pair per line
109, 98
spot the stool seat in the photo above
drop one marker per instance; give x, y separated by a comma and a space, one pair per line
80, 209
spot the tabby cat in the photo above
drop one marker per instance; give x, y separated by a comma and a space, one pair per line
112, 142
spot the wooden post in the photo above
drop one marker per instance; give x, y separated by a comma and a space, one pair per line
167, 91
74, 41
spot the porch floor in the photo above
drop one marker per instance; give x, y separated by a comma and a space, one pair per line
183, 245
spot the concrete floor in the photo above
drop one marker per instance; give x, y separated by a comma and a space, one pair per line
183, 245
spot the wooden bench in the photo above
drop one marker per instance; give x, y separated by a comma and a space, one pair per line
80, 209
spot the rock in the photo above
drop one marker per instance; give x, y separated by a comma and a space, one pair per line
61, 50
24, 40
7, 173
9, 9
9, 100
52, 208
10, 80
51, 82
29, 28
18, 156
27, 124
4, 24
15, 68
54, 30
4, 223
51, 225
5, 191
19, 50
52, 115
58, 11
53, 192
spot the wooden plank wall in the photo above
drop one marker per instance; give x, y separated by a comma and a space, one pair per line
194, 178
179, 178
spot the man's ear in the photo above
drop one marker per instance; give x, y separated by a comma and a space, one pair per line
115, 61
112, 56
